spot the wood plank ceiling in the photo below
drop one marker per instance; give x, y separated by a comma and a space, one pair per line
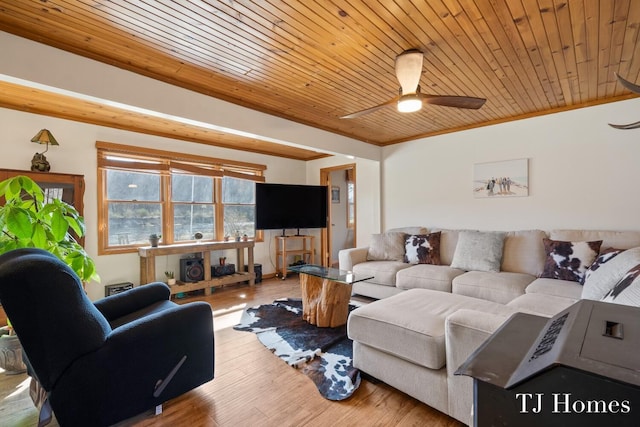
313, 61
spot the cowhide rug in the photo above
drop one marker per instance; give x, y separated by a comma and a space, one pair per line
324, 354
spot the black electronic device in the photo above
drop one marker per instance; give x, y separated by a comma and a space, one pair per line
117, 288
191, 269
578, 368
290, 206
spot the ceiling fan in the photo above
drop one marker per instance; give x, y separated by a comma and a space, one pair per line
410, 99
633, 88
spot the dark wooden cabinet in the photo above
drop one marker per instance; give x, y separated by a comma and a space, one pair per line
68, 187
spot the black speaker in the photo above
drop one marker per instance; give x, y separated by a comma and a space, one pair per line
191, 269
117, 288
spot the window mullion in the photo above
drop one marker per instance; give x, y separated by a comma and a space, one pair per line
167, 210
218, 209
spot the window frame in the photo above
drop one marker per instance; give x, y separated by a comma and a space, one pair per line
164, 163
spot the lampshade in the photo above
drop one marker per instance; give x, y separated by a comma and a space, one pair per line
408, 70
44, 137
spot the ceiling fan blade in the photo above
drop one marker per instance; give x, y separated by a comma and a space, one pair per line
635, 125
454, 101
626, 83
370, 110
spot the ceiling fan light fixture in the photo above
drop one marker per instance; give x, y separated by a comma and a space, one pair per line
409, 103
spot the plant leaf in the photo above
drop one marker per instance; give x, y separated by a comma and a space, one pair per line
19, 223
59, 226
39, 237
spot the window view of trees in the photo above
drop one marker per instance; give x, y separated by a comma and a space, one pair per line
193, 208
239, 198
135, 206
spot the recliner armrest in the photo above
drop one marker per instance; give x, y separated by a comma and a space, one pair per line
126, 370
347, 258
116, 306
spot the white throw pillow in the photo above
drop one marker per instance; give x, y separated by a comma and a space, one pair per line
478, 251
387, 246
602, 280
627, 290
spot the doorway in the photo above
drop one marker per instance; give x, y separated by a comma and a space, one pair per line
341, 232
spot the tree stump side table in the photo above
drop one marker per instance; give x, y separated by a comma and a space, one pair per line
325, 294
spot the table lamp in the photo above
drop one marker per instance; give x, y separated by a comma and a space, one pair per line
39, 162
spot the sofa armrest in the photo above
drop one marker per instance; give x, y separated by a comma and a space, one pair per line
465, 331
116, 306
347, 258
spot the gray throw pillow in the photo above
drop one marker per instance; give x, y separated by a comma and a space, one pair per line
387, 246
479, 251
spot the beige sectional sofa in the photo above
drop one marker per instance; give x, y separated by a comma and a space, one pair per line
429, 318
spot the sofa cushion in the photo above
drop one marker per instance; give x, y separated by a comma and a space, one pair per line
386, 247
602, 280
408, 230
448, 243
524, 252
605, 256
500, 287
373, 290
613, 239
383, 272
410, 325
569, 260
627, 290
541, 304
479, 251
555, 287
422, 248
427, 276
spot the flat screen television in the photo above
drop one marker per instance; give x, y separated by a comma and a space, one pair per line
290, 206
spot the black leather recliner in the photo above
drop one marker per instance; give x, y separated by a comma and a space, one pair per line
103, 362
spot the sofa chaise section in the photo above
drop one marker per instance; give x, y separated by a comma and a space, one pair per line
402, 338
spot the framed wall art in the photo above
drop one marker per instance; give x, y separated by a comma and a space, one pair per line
508, 178
335, 194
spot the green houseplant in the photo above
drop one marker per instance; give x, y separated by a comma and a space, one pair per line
27, 220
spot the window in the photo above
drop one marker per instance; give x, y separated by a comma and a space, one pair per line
144, 191
192, 198
239, 200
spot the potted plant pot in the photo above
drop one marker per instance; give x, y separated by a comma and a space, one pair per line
154, 239
11, 353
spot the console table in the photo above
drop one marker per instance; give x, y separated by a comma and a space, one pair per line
148, 264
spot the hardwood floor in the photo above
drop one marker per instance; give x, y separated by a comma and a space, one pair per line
251, 386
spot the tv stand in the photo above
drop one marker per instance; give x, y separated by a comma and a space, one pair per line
285, 247
284, 232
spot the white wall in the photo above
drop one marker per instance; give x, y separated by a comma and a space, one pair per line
582, 174
367, 192
77, 155
339, 229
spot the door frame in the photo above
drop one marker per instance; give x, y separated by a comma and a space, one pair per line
325, 179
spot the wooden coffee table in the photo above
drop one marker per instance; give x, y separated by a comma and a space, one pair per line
325, 294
